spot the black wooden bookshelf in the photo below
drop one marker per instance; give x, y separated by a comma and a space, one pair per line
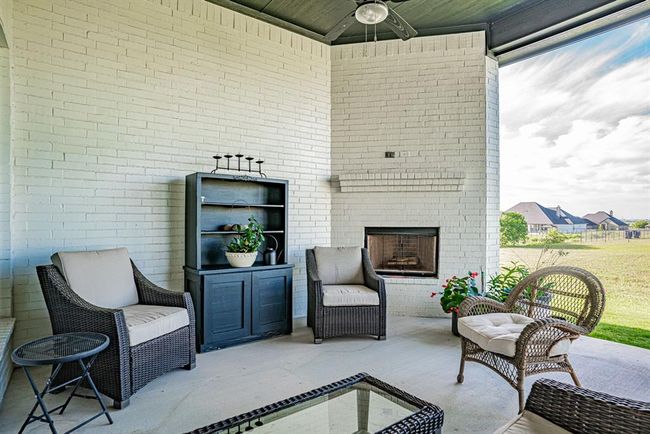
235, 305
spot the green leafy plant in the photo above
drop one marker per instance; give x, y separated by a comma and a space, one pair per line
249, 237
456, 290
500, 285
553, 236
513, 228
640, 224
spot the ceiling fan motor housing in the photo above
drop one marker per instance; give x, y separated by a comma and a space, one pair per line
371, 12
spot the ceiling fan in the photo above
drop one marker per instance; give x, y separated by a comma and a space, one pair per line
371, 12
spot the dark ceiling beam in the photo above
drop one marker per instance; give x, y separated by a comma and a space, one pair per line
433, 31
229, 4
571, 31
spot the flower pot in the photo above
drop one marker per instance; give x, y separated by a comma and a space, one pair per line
454, 324
241, 260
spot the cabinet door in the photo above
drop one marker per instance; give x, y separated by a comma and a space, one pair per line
272, 302
226, 307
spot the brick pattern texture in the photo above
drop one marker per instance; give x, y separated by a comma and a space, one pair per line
115, 102
425, 101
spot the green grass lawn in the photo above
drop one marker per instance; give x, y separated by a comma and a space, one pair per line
624, 269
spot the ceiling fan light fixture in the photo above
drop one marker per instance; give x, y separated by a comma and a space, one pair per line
372, 12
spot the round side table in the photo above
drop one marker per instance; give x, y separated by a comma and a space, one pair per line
57, 350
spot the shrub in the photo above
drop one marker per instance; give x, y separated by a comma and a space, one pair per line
553, 236
640, 224
501, 284
513, 228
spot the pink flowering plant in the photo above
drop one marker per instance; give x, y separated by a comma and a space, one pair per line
456, 290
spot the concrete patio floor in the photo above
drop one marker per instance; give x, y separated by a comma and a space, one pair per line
420, 356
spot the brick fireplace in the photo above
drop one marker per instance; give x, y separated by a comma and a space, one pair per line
397, 251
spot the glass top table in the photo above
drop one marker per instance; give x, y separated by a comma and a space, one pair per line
358, 404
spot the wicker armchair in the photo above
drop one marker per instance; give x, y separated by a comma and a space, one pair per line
545, 312
329, 321
552, 404
122, 368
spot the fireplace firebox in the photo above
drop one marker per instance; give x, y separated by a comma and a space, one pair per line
403, 251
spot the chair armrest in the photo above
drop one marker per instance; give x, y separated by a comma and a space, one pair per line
585, 411
477, 305
370, 277
538, 337
313, 279
150, 293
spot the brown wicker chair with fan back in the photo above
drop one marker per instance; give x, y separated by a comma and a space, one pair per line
531, 332
151, 329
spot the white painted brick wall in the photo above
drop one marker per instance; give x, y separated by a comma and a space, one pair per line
5, 187
115, 102
492, 178
425, 100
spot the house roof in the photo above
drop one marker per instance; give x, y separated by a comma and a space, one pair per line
600, 217
537, 214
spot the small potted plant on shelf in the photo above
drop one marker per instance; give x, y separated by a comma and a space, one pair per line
456, 290
242, 250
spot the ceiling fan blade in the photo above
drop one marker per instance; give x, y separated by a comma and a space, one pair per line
341, 27
399, 25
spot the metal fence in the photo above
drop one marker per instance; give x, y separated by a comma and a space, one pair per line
596, 235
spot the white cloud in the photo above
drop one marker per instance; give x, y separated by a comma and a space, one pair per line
575, 126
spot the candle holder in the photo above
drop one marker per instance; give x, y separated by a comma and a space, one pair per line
249, 159
216, 167
228, 157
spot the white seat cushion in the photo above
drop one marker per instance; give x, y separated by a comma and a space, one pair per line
530, 423
498, 332
339, 265
101, 277
146, 322
349, 295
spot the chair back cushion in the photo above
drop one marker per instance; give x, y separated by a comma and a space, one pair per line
339, 265
101, 277
530, 423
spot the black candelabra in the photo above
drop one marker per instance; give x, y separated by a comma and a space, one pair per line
239, 168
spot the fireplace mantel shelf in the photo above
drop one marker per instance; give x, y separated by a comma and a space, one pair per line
353, 182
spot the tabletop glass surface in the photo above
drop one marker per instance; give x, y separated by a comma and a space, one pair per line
341, 412
59, 346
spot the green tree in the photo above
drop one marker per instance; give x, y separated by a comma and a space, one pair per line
514, 228
640, 224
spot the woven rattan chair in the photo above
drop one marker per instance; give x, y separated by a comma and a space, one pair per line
552, 404
122, 368
365, 314
542, 315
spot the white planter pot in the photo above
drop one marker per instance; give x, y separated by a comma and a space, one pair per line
240, 260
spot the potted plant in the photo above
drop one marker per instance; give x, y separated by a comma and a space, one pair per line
242, 250
456, 290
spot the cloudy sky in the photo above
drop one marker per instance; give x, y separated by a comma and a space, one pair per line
575, 125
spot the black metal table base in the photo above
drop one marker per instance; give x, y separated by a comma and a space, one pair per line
45, 417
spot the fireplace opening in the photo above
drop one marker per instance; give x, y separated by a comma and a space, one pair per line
403, 251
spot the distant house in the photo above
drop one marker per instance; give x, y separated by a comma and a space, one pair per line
605, 221
541, 219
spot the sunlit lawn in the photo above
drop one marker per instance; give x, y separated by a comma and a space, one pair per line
624, 269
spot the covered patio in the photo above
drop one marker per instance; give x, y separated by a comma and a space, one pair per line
163, 134
419, 355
